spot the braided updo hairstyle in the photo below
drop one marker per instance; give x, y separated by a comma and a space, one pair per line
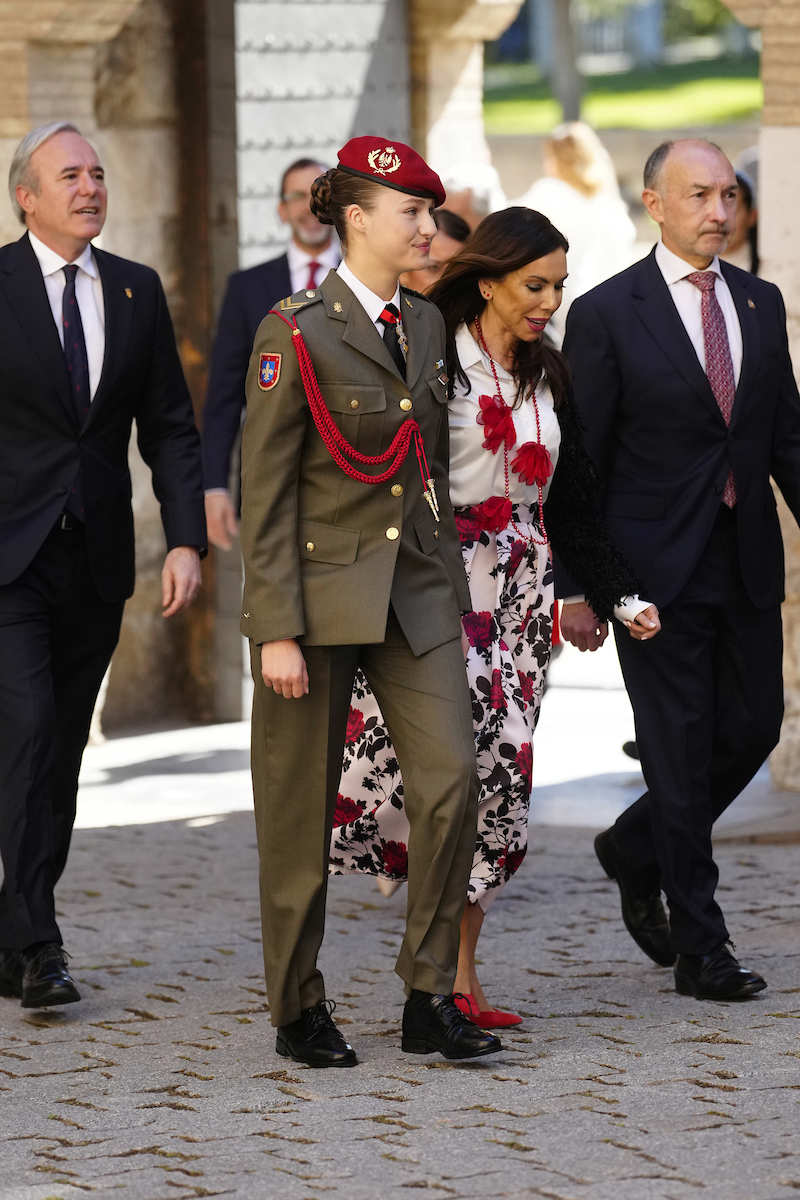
334, 192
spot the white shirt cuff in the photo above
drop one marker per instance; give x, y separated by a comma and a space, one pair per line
217, 492
574, 600
629, 608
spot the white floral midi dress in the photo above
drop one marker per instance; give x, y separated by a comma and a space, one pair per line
509, 632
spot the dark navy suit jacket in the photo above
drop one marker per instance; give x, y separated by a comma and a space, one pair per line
248, 298
659, 442
42, 446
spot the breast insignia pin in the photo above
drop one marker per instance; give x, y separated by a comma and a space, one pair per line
337, 306
751, 303
129, 293
437, 366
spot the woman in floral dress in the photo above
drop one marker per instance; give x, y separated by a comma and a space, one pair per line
519, 480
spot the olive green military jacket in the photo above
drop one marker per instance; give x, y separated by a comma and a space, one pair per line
325, 554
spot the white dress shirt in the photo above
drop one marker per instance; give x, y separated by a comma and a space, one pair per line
299, 260
475, 473
88, 293
687, 299
372, 304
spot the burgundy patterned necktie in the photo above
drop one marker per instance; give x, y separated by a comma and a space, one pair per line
313, 267
719, 364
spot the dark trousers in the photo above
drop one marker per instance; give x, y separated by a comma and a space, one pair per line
297, 751
707, 696
56, 641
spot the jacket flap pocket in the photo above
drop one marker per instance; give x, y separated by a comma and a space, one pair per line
634, 504
328, 543
438, 385
353, 398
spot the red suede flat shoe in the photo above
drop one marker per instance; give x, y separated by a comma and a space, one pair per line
490, 1018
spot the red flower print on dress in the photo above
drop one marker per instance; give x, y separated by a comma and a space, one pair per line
498, 421
533, 463
355, 725
524, 761
527, 682
468, 524
395, 857
515, 556
478, 627
346, 810
513, 862
497, 700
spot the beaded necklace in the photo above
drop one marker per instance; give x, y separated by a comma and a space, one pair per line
542, 457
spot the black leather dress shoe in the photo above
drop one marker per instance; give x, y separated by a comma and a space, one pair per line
314, 1039
10, 973
642, 911
432, 1022
46, 980
716, 976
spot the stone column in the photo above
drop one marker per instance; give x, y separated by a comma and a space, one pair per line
446, 55
779, 180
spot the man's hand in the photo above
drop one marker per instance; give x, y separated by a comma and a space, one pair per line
180, 579
645, 625
283, 668
581, 627
221, 519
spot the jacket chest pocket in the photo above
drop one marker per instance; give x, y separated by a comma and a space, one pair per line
438, 385
359, 410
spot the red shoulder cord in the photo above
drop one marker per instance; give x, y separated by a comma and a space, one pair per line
337, 444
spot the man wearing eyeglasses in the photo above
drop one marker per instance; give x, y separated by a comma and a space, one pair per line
312, 251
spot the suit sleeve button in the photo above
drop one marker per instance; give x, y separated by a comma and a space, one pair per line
392, 533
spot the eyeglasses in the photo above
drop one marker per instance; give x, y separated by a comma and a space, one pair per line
296, 197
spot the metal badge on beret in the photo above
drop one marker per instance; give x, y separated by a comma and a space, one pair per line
393, 164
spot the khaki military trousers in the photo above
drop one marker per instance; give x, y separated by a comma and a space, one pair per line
297, 748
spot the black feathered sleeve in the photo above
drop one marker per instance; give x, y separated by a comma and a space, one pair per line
575, 526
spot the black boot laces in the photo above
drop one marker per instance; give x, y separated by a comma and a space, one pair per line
319, 1019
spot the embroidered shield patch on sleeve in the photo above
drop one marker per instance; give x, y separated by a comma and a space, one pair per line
269, 370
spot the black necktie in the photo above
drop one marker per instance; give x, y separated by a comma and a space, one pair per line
75, 346
389, 319
78, 369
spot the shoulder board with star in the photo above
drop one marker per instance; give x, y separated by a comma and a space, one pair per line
299, 300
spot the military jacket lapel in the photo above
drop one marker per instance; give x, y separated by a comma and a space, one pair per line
359, 332
418, 339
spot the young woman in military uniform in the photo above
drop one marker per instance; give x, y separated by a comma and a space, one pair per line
352, 560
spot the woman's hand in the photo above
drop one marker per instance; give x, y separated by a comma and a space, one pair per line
283, 668
645, 624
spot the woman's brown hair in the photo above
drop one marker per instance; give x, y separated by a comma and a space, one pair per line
503, 242
334, 192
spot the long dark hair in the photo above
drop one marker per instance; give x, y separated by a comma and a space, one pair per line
503, 242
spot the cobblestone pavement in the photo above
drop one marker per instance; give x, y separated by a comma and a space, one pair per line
163, 1082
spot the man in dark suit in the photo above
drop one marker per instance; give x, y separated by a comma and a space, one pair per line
312, 251
86, 348
685, 387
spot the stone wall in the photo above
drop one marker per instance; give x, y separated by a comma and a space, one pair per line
310, 74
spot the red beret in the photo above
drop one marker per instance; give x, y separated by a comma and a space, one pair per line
392, 164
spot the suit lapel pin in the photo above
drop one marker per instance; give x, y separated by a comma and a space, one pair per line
129, 293
408, 302
750, 303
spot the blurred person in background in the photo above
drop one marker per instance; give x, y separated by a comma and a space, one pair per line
518, 473
580, 194
742, 248
313, 250
451, 233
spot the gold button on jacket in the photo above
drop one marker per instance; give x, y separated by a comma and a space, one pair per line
365, 555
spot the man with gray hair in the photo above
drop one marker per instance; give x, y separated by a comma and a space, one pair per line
684, 384
86, 348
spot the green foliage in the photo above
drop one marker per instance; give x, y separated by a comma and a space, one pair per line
680, 96
687, 18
